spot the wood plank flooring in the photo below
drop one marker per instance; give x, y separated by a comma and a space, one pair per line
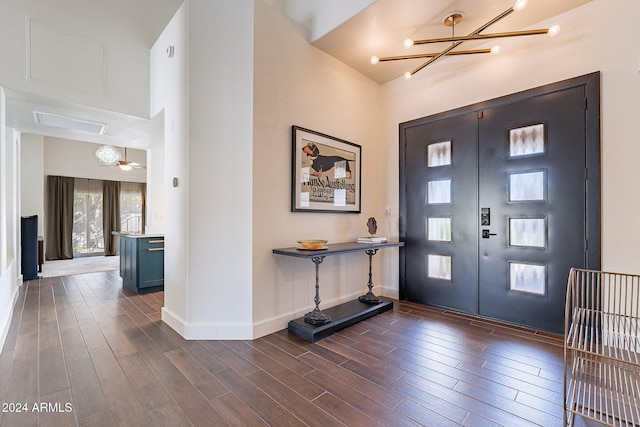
83, 351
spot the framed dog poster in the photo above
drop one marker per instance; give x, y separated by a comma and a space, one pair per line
326, 173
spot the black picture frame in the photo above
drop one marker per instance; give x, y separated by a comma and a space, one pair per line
326, 173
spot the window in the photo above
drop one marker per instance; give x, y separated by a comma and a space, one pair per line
88, 233
131, 207
87, 217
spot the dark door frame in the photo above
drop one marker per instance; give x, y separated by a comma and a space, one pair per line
591, 84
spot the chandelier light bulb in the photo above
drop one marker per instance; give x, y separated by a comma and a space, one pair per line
495, 50
520, 4
374, 60
407, 43
407, 75
553, 31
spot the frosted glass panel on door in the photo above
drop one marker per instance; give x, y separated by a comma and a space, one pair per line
526, 141
439, 192
439, 267
530, 278
439, 229
526, 186
439, 154
529, 232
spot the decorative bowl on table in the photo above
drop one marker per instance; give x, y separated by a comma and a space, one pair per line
312, 244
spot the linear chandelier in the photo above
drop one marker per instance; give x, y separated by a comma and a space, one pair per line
451, 20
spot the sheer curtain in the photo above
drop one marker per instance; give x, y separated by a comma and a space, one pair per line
132, 206
88, 233
111, 216
59, 215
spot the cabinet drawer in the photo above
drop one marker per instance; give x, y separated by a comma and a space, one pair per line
151, 244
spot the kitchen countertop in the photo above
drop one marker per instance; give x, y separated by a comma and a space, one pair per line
136, 235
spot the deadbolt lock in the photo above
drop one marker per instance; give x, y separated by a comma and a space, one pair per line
485, 216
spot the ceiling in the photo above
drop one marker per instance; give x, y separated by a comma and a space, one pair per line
121, 130
381, 28
377, 30
119, 23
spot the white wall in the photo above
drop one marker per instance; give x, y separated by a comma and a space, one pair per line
221, 280
169, 98
9, 281
124, 79
4, 172
297, 84
12, 196
220, 167
208, 143
322, 16
65, 157
156, 181
594, 37
31, 177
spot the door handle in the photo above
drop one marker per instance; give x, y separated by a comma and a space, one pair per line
486, 234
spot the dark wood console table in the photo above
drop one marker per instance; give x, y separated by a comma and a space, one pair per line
317, 323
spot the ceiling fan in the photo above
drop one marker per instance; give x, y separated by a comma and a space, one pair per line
127, 165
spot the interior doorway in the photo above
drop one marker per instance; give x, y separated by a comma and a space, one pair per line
499, 200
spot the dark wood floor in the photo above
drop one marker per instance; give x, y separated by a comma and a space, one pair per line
81, 351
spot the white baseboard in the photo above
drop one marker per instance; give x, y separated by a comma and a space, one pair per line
176, 322
5, 322
392, 293
277, 323
207, 331
195, 331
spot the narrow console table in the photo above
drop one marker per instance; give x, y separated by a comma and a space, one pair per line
319, 324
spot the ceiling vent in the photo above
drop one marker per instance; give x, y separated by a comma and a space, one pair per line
70, 123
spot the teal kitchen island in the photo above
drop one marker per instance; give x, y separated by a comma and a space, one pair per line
142, 261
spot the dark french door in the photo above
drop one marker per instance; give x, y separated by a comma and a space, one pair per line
441, 211
500, 200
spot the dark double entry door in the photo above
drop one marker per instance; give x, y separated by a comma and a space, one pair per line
500, 200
